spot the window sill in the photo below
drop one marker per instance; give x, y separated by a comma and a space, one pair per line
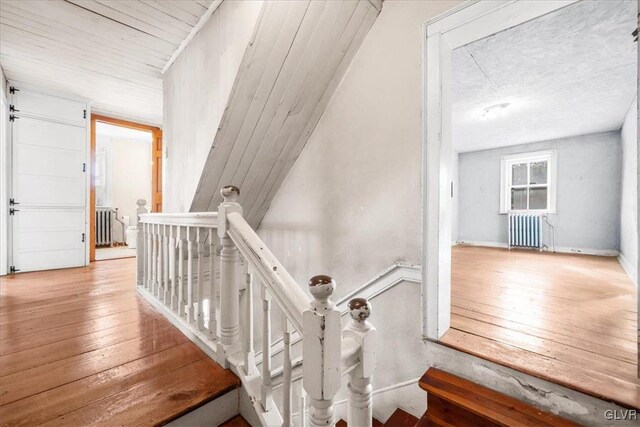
529, 212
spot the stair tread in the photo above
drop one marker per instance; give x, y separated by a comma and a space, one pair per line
343, 423
484, 402
401, 418
237, 421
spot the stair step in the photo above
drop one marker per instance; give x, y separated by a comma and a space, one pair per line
455, 401
401, 418
237, 421
343, 423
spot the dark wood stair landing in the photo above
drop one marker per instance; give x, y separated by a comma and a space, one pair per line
455, 401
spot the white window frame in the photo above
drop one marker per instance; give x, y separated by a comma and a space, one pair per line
505, 180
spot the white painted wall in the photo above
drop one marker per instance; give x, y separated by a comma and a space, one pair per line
351, 205
196, 89
588, 193
629, 201
455, 199
129, 161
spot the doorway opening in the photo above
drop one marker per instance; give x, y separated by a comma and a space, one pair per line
531, 239
126, 173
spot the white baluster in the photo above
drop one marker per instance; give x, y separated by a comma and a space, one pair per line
154, 257
360, 407
181, 291
229, 280
321, 352
145, 239
172, 266
159, 267
140, 249
199, 284
302, 419
286, 370
266, 390
149, 257
190, 314
165, 264
213, 288
247, 339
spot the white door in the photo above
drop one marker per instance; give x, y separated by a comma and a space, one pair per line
49, 191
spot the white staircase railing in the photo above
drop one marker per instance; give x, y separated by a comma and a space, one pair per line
198, 269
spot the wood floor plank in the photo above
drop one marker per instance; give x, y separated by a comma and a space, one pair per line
619, 349
74, 346
9, 317
80, 328
139, 405
539, 317
61, 400
567, 318
598, 384
597, 323
26, 327
44, 377
547, 348
79, 340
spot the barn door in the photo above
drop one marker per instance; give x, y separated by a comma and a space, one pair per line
48, 189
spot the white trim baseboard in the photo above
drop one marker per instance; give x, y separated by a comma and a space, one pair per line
558, 249
484, 244
629, 268
587, 251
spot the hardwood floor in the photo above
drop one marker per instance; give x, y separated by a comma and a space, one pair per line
79, 347
563, 317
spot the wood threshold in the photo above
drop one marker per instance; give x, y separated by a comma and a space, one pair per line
564, 318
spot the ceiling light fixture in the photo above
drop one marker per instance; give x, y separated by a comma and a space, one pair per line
495, 111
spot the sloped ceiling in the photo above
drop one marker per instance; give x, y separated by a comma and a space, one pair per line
300, 52
111, 52
571, 72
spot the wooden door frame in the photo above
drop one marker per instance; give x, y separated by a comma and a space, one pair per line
461, 25
156, 170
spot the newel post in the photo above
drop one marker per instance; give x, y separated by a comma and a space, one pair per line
321, 351
360, 407
140, 248
229, 269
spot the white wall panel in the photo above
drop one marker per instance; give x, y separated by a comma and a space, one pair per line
51, 238
50, 107
48, 161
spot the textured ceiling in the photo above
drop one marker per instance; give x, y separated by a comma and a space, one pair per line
571, 72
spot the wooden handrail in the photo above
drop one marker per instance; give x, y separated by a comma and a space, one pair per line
174, 252
199, 219
284, 289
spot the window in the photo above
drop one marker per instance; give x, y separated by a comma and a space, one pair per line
528, 182
102, 179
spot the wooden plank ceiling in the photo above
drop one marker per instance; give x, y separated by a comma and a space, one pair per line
286, 79
111, 52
